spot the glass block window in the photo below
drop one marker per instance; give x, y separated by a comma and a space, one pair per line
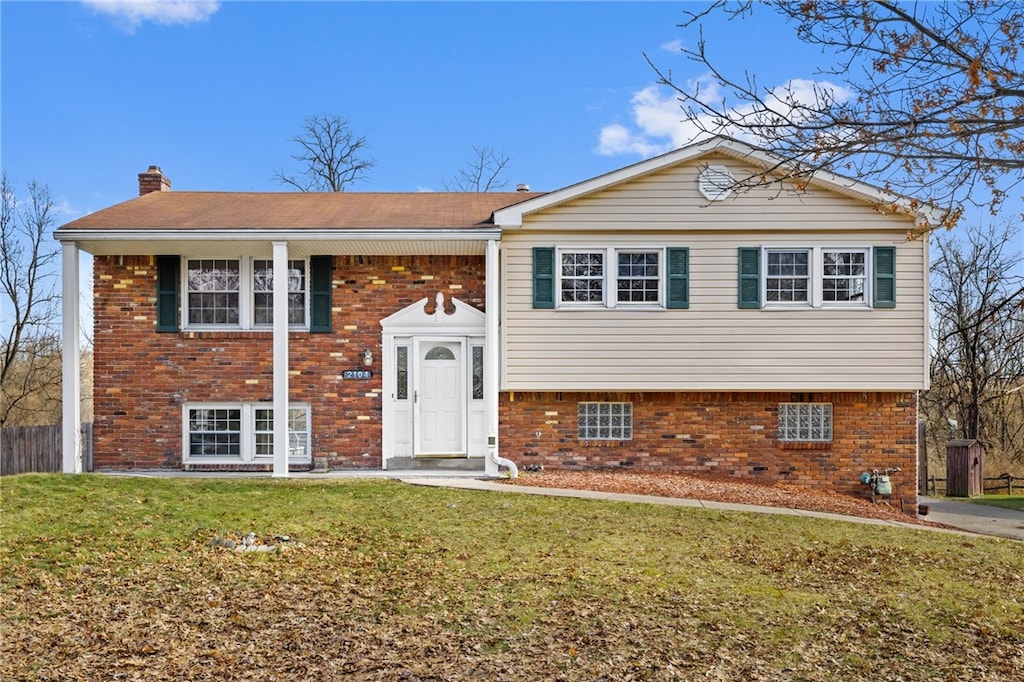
582, 277
298, 432
215, 432
213, 291
402, 372
263, 291
638, 277
805, 422
478, 372
788, 276
605, 421
844, 275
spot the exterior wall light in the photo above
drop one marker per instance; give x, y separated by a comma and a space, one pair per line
367, 357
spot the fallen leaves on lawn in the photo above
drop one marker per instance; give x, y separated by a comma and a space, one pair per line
731, 490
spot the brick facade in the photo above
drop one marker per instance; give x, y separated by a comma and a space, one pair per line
732, 434
143, 378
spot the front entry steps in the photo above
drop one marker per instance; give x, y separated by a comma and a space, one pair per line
436, 464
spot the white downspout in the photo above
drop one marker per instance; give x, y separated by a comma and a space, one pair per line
492, 358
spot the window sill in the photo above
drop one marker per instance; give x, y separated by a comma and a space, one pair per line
801, 308
604, 308
260, 462
208, 333
803, 444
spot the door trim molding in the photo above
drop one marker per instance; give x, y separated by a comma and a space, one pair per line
413, 325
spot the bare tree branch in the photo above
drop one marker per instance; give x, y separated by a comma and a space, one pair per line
929, 103
482, 173
30, 374
978, 365
331, 156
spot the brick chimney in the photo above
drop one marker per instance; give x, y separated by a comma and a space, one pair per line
153, 181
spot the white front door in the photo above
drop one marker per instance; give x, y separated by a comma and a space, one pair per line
439, 421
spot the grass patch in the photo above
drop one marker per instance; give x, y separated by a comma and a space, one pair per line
116, 578
1005, 501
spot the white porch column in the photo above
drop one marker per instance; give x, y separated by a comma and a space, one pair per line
492, 355
71, 361
280, 360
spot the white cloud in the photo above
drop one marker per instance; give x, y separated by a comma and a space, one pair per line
132, 13
672, 46
660, 123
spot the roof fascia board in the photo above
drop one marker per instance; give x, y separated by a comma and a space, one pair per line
481, 234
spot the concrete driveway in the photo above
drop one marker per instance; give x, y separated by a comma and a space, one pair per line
976, 518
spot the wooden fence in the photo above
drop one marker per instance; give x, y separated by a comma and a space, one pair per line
25, 449
1004, 485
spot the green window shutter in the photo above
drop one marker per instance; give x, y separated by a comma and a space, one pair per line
678, 278
749, 288
168, 280
543, 277
884, 285
320, 293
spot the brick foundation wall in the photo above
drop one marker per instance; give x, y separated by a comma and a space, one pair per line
731, 434
143, 378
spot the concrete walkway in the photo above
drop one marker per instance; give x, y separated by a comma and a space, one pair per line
970, 518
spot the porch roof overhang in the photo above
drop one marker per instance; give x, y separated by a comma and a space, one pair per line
305, 242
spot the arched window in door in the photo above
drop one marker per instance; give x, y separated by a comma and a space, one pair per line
439, 353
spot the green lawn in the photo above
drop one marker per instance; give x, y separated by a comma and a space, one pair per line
116, 578
1004, 501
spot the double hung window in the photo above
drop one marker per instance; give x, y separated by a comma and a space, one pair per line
582, 277
242, 432
588, 278
817, 277
240, 292
263, 292
634, 278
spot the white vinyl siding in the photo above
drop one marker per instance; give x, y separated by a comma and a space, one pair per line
714, 346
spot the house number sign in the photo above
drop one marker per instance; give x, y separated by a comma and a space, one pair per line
356, 374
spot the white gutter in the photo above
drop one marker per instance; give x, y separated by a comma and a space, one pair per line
300, 234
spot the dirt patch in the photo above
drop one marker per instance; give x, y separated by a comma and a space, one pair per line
719, 490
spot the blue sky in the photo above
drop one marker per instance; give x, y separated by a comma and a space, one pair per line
93, 93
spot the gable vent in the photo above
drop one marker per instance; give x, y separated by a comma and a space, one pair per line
715, 183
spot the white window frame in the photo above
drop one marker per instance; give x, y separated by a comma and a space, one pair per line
610, 279
791, 414
305, 293
247, 423
815, 298
246, 296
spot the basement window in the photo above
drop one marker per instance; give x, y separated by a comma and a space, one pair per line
242, 432
805, 422
605, 421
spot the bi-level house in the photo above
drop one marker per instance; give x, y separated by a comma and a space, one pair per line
649, 318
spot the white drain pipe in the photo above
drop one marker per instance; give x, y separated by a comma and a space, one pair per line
510, 466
